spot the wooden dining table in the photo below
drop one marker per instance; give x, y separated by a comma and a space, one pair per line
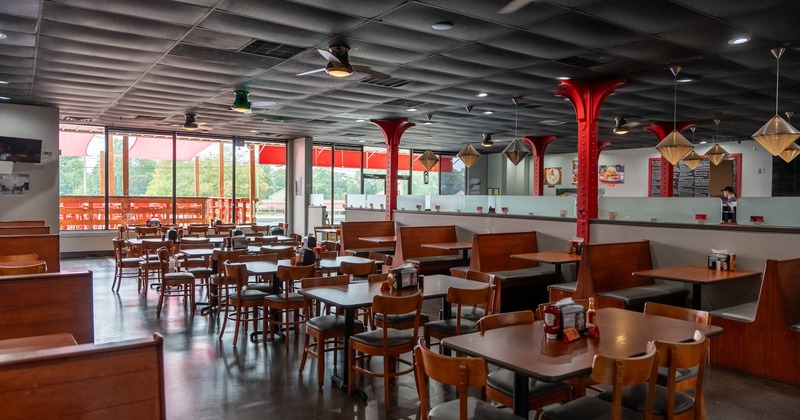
464, 247
380, 240
524, 350
553, 257
697, 275
359, 295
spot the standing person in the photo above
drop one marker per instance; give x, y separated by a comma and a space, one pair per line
729, 204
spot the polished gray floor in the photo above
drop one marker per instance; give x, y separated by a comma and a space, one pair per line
210, 379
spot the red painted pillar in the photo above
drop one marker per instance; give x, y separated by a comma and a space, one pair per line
538, 144
661, 129
392, 131
587, 100
602, 145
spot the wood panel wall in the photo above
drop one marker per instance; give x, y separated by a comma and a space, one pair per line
48, 248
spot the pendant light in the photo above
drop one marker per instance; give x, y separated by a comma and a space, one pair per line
191, 123
468, 154
516, 152
620, 126
674, 146
793, 150
777, 134
716, 153
692, 160
487, 140
428, 159
240, 102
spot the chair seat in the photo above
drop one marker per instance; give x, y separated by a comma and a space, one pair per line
374, 338
635, 397
476, 409
129, 262
200, 271
503, 380
448, 326
254, 295
191, 261
680, 374
267, 288
178, 277
567, 287
402, 318
292, 297
328, 323
472, 313
635, 296
587, 408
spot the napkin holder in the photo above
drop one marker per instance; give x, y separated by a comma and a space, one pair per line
405, 276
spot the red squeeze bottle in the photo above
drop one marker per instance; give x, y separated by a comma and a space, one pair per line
552, 321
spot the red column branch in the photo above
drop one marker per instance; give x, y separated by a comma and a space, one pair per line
587, 100
538, 144
392, 132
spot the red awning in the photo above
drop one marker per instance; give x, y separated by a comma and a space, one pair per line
74, 144
161, 148
276, 155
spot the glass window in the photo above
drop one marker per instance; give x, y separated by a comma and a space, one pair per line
271, 186
454, 180
346, 178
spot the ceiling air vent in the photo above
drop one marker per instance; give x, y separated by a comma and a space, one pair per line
390, 82
148, 118
76, 119
405, 103
321, 122
272, 49
351, 135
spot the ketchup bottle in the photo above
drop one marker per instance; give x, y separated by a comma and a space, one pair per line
552, 321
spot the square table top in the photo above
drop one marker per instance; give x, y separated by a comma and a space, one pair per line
380, 239
198, 252
695, 274
358, 295
449, 246
552, 257
524, 348
325, 264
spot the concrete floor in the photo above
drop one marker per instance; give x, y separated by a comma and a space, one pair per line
209, 379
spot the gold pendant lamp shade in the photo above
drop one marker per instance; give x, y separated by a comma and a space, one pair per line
674, 146
790, 152
468, 155
428, 160
516, 152
692, 160
777, 134
716, 153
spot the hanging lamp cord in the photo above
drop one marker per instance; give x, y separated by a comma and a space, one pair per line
675, 104
777, 81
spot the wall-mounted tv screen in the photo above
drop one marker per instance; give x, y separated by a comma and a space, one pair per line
14, 149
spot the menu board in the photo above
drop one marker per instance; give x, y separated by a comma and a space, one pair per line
687, 182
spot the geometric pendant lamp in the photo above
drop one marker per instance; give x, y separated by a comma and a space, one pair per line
674, 146
788, 154
516, 152
692, 160
468, 154
716, 153
777, 134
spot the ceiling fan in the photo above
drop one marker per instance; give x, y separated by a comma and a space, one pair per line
243, 105
191, 124
515, 5
623, 126
339, 64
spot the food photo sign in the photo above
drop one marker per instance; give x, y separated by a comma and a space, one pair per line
612, 174
552, 176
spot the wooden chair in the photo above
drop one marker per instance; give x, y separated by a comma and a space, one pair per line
386, 259
173, 284
285, 227
330, 246
200, 267
388, 343
148, 262
461, 372
262, 240
283, 252
224, 229
201, 230
459, 325
33, 268
121, 262
357, 271
327, 330
19, 257
619, 372
500, 383
264, 283
685, 378
260, 229
219, 282
474, 313
668, 401
142, 231
287, 302
244, 300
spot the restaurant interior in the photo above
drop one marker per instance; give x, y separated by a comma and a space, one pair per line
226, 194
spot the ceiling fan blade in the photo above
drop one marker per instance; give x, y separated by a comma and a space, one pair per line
513, 6
632, 124
262, 104
330, 57
309, 72
373, 73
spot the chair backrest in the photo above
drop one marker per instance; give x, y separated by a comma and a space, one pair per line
146, 231
194, 240
123, 232
282, 252
624, 371
676, 356
461, 372
196, 245
398, 305
328, 255
224, 229
357, 269
119, 249
262, 240
22, 257
676, 312
260, 228
374, 278
150, 247
540, 308
290, 273
386, 259
197, 229
33, 268
490, 279
311, 282
257, 257
474, 297
505, 319
163, 259
237, 271
330, 246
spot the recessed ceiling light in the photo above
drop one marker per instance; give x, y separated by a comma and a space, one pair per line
4, 98
362, 141
360, 121
412, 110
427, 123
703, 142
2, 35
3, 82
488, 112
482, 95
254, 131
442, 26
562, 78
684, 80
737, 41
429, 136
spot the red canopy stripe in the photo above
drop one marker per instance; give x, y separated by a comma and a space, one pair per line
276, 155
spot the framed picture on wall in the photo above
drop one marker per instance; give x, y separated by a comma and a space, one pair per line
612, 174
552, 176
574, 171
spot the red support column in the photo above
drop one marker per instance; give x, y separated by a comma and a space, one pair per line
392, 131
602, 145
587, 100
661, 129
538, 144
